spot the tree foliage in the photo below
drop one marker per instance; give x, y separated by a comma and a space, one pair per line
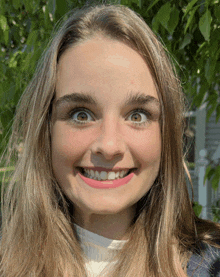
189, 29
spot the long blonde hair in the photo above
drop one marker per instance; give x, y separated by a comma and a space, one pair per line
38, 235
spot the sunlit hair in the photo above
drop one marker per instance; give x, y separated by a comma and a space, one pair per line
38, 236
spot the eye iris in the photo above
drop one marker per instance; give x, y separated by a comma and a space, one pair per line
136, 116
82, 116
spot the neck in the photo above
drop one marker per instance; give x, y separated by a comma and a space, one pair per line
112, 226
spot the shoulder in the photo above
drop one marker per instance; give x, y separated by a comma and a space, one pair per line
205, 262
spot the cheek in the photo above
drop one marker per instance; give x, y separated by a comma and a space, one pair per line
67, 145
147, 146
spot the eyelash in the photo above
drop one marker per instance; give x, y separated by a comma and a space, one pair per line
138, 110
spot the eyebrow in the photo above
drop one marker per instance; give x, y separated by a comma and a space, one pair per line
132, 99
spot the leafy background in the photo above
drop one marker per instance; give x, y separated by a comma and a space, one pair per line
189, 29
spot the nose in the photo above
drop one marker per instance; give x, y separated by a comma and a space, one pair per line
109, 142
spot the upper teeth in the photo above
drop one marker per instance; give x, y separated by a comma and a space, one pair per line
103, 175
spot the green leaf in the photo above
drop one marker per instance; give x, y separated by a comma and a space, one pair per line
17, 4
6, 36
211, 173
2, 6
140, 4
1, 71
189, 7
205, 24
216, 212
32, 38
163, 14
197, 208
61, 7
214, 45
217, 113
208, 174
13, 63
208, 168
5, 28
216, 178
212, 98
210, 69
210, 111
6, 118
198, 99
151, 6
187, 39
189, 21
173, 21
155, 24
3, 23
201, 48
217, 11
28, 5
14, 59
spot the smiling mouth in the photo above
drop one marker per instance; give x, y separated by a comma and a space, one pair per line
98, 176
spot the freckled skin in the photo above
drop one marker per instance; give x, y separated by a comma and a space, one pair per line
109, 70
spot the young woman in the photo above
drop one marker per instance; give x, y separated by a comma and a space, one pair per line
100, 189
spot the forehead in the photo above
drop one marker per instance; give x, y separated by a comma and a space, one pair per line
108, 68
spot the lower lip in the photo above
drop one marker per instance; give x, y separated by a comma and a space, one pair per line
106, 184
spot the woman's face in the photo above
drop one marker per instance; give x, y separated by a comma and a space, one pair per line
105, 118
